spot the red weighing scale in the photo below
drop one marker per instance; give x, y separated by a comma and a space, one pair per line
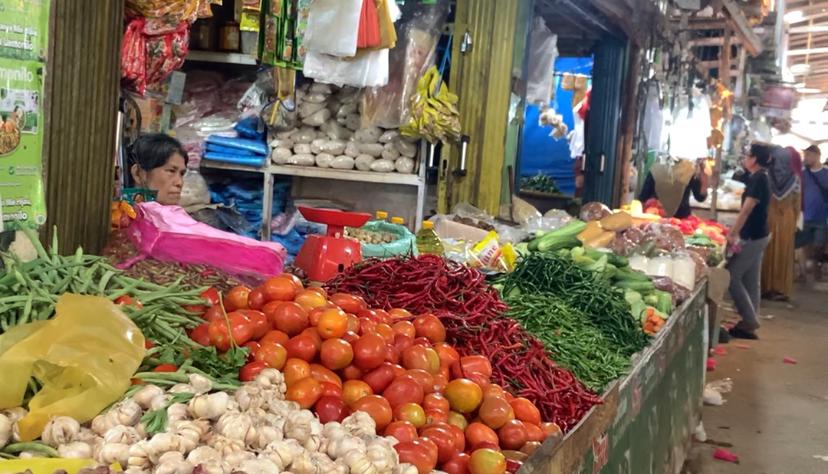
322, 257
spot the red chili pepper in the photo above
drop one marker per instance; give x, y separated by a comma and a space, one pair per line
165, 368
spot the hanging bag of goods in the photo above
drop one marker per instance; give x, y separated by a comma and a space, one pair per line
174, 11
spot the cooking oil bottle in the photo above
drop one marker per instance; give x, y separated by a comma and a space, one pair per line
428, 242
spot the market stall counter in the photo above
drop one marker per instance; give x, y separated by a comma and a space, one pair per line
648, 417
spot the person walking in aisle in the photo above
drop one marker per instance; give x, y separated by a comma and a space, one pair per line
814, 234
751, 233
783, 212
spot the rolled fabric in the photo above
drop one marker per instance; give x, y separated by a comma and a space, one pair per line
257, 161
259, 148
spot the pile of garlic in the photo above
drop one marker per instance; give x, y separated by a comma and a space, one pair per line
331, 136
253, 431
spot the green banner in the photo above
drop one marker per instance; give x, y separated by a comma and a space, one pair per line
24, 26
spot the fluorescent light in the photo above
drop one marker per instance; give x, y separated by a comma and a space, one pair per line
808, 90
794, 16
800, 69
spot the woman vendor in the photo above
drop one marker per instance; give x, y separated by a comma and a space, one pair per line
158, 163
672, 185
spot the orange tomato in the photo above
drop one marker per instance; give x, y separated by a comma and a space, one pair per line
406, 328
478, 434
495, 412
323, 374
273, 354
412, 413
353, 324
464, 396
336, 354
294, 279
398, 314
310, 299
526, 411
435, 401
349, 303
306, 392
386, 332
280, 289
473, 364
236, 299
534, 432
512, 435
448, 354
551, 430
332, 323
313, 334
353, 390
457, 420
494, 390
377, 407
276, 336
420, 357
319, 290
289, 317
423, 378
487, 461
296, 369
430, 327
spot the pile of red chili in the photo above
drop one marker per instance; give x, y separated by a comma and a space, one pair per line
472, 313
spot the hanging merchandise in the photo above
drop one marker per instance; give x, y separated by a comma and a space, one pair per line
389, 106
369, 26
333, 27
434, 114
541, 78
172, 11
691, 128
367, 69
551, 118
653, 118
150, 52
578, 135
281, 42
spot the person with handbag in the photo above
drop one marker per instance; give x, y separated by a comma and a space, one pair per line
814, 234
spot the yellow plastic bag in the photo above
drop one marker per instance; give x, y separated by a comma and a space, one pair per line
48, 466
84, 358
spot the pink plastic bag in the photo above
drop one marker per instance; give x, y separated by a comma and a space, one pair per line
168, 233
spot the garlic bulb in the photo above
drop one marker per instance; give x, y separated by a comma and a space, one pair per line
60, 430
75, 450
360, 424
173, 463
122, 434
258, 466
146, 395
110, 453
5, 430
283, 452
200, 384
210, 406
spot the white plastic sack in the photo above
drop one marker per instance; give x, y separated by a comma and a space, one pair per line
302, 160
343, 163
368, 69
404, 165
383, 166
195, 190
333, 27
541, 77
364, 162
280, 156
324, 160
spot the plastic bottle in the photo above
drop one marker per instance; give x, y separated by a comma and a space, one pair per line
428, 242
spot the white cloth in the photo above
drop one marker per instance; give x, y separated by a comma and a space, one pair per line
653, 119
690, 130
576, 137
541, 76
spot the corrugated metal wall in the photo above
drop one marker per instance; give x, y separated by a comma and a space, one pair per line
82, 84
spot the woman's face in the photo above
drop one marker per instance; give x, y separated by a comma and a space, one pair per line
167, 180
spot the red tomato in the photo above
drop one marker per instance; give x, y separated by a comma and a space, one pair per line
354, 390
352, 372
314, 335
305, 392
215, 313
448, 354
512, 435
237, 298
295, 370
127, 300
260, 323
459, 464
348, 303
398, 314
399, 371
422, 341
403, 431
430, 327
367, 326
350, 336
420, 453
323, 374
241, 328
386, 332
256, 299
220, 335
440, 382
403, 390
301, 347
391, 354
201, 334
275, 336
472, 364
526, 411
250, 370
252, 348
402, 342
423, 378
289, 318
495, 412
551, 430
419, 357
405, 328
481, 380
412, 413
530, 447
478, 434
280, 288
377, 407
383, 316
165, 368
435, 401
212, 296
487, 461
444, 439
336, 354
330, 408
330, 389
369, 351
273, 354
534, 433
381, 377
353, 324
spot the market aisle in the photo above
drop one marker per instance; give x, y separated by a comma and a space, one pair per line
776, 418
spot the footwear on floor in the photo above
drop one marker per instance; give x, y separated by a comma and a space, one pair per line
724, 336
740, 333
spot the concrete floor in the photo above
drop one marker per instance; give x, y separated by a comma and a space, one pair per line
776, 417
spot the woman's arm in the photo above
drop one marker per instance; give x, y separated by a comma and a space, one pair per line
747, 208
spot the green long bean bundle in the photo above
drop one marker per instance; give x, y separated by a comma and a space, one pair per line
574, 342
604, 305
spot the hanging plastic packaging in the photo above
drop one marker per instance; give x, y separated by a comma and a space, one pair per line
544, 44
333, 27
84, 357
174, 10
367, 69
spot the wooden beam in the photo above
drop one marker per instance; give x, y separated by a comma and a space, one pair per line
743, 29
711, 41
806, 51
724, 57
706, 24
800, 30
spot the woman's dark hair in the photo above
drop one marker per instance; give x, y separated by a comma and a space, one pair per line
154, 150
762, 153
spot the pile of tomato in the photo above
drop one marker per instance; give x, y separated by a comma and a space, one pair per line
339, 356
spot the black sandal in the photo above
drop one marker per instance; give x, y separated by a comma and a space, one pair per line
740, 333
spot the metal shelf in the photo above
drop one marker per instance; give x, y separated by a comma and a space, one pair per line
347, 175
220, 57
